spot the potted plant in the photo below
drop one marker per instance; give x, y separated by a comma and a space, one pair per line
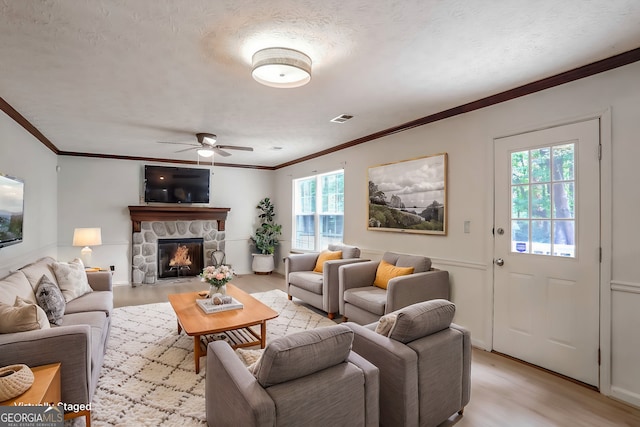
265, 238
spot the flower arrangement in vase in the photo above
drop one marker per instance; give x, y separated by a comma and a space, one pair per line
217, 277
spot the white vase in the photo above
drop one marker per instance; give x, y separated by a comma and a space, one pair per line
262, 263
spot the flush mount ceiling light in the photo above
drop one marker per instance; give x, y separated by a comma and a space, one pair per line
281, 67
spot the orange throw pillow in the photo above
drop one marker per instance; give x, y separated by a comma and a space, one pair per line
326, 256
386, 272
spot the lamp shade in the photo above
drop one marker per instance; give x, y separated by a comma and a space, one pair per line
87, 237
281, 67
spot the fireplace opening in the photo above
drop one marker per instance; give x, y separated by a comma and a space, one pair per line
180, 257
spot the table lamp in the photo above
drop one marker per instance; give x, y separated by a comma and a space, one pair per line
87, 237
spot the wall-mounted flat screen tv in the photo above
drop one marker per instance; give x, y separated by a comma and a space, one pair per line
163, 184
11, 210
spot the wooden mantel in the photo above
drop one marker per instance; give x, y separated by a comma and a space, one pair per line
176, 213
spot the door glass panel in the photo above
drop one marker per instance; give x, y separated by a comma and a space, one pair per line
543, 189
520, 201
541, 165
540, 201
564, 238
520, 167
520, 236
541, 237
564, 200
563, 162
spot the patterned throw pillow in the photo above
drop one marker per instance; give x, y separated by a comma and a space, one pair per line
50, 298
72, 279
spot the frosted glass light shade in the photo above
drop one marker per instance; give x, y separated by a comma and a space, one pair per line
281, 67
205, 152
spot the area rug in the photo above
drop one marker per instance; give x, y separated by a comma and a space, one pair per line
148, 376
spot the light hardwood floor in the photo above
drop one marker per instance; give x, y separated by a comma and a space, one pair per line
504, 392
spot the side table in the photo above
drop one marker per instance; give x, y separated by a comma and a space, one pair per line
45, 388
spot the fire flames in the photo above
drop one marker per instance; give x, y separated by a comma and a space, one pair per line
181, 258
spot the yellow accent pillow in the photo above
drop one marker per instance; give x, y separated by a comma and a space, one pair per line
326, 256
386, 272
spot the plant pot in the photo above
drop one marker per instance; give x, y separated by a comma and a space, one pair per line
262, 263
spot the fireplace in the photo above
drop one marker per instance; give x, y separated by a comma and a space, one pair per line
153, 223
180, 257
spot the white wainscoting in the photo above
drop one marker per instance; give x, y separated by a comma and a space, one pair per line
625, 341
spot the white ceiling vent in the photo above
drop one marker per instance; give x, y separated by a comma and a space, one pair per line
341, 118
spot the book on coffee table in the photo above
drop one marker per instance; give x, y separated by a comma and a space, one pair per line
208, 307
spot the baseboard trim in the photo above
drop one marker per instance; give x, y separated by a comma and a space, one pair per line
625, 396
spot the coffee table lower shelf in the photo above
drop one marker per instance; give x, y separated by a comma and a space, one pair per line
237, 338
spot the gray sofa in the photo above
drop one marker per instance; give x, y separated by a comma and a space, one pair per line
424, 362
79, 343
321, 290
363, 303
310, 378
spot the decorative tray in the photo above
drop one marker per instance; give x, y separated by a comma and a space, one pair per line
208, 307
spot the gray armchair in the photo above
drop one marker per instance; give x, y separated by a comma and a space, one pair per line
310, 378
321, 290
425, 364
363, 303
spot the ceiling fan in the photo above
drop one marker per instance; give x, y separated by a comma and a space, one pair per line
206, 146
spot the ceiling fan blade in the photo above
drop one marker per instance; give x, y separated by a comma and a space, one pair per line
187, 149
235, 147
220, 152
178, 143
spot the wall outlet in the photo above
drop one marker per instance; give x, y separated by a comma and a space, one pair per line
112, 267
467, 227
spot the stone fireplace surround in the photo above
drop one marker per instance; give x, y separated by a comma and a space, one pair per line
149, 223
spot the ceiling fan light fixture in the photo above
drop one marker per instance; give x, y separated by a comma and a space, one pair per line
281, 67
205, 152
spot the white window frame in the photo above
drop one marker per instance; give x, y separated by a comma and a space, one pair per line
317, 215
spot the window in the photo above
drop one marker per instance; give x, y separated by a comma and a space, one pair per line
318, 203
543, 201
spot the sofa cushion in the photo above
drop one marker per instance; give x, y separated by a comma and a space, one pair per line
347, 251
326, 256
50, 298
36, 270
307, 280
303, 353
386, 272
22, 316
369, 298
93, 301
99, 325
422, 319
72, 279
419, 263
16, 284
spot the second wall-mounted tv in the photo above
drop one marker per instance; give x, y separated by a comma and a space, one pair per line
163, 184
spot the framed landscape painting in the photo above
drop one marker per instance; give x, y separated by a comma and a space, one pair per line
409, 196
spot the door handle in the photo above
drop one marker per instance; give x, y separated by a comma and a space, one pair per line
499, 262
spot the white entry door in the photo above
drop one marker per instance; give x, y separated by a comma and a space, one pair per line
547, 248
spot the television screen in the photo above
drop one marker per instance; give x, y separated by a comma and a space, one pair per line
11, 210
164, 184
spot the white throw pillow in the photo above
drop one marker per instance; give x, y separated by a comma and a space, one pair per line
72, 279
22, 316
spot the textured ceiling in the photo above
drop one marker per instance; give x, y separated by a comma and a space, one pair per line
115, 77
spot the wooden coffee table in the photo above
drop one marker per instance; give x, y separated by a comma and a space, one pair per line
235, 324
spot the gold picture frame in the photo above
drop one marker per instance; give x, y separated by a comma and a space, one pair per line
409, 196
